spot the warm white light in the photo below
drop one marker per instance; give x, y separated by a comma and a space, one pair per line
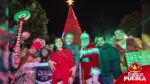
70, 2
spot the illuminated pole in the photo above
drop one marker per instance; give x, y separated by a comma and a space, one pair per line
20, 17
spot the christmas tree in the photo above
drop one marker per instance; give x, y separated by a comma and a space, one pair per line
72, 24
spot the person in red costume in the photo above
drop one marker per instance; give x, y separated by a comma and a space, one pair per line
63, 64
26, 74
89, 61
37, 44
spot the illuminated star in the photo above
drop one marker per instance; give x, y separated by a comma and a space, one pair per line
70, 2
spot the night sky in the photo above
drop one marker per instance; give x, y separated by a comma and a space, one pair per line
90, 13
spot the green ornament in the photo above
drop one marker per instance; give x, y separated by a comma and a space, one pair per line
22, 14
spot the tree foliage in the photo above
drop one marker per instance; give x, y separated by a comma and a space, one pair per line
131, 24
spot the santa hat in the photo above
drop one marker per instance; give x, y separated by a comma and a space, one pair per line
86, 35
38, 43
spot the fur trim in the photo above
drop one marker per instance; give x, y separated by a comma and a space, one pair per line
95, 71
89, 51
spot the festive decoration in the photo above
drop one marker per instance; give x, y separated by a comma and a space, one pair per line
70, 2
133, 57
72, 26
141, 57
38, 43
39, 40
25, 35
145, 57
22, 14
36, 46
21, 17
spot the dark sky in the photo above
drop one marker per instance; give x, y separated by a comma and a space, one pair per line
88, 12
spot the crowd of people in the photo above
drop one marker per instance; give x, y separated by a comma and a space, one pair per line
64, 62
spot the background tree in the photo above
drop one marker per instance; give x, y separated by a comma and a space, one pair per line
131, 24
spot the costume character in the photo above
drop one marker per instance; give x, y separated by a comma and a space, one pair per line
89, 60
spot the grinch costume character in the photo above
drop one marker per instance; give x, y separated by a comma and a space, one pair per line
124, 44
89, 61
